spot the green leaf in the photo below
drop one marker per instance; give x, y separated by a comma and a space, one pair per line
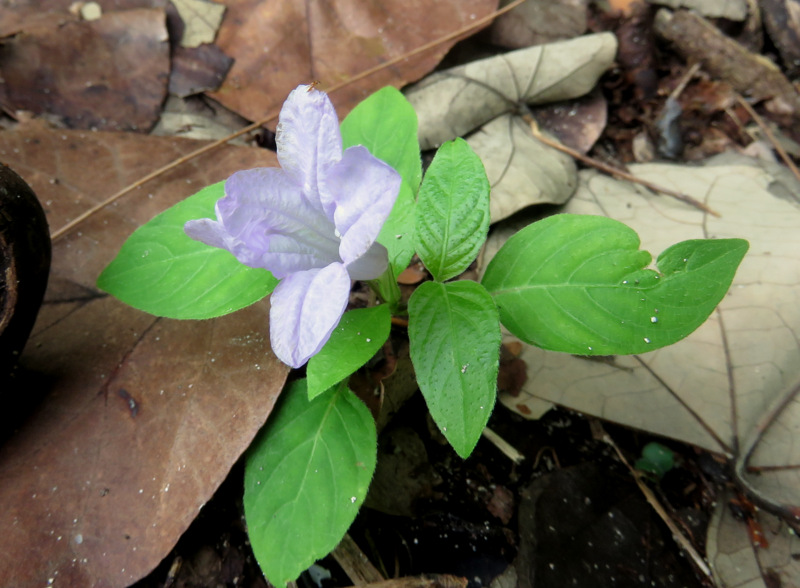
359, 335
452, 216
577, 284
386, 124
160, 270
454, 336
305, 478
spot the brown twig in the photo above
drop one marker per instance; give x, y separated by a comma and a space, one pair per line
613, 171
769, 134
274, 114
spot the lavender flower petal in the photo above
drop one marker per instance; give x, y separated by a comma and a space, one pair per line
264, 208
313, 223
308, 138
363, 190
306, 307
371, 265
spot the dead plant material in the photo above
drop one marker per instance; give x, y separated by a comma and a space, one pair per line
697, 40
613, 171
355, 563
769, 135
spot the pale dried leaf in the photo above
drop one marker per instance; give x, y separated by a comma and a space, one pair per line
737, 563
522, 170
453, 102
201, 19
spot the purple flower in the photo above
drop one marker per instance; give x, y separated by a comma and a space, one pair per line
312, 223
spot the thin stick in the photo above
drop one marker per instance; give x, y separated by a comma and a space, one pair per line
613, 171
504, 446
685, 544
770, 135
274, 114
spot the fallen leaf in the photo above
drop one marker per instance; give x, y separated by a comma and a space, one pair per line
139, 419
737, 563
522, 170
577, 123
110, 73
536, 22
201, 19
453, 102
197, 70
731, 386
278, 46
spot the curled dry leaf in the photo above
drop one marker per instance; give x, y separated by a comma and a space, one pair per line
453, 102
139, 419
731, 386
331, 42
522, 170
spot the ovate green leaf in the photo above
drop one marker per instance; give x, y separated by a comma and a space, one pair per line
578, 284
359, 335
160, 270
386, 124
452, 216
306, 475
454, 336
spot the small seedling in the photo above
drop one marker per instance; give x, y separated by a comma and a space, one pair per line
350, 203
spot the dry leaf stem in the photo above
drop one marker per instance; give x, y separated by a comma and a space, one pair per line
274, 114
613, 171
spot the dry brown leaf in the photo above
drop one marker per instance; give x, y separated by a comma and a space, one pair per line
109, 73
139, 418
278, 46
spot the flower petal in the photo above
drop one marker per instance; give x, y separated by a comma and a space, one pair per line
363, 190
370, 265
308, 138
264, 222
306, 307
